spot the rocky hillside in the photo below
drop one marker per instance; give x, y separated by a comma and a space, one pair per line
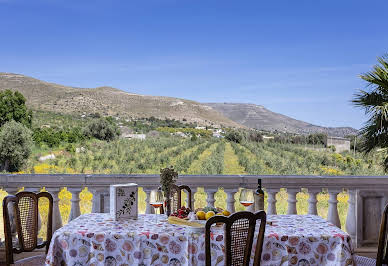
109, 101
256, 116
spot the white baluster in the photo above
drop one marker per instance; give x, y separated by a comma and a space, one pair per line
12, 191
271, 209
57, 219
351, 226
149, 208
332, 215
193, 191
210, 196
313, 201
106, 201
230, 201
292, 200
75, 208
97, 199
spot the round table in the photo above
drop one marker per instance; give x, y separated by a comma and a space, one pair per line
96, 239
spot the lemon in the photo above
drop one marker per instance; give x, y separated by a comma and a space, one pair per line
226, 212
209, 214
201, 215
219, 213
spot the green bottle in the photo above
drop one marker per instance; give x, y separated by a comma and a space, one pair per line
259, 197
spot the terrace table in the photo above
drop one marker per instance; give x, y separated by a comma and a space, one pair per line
96, 239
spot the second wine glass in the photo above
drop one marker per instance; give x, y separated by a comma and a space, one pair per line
156, 200
246, 197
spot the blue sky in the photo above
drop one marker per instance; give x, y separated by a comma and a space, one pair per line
298, 58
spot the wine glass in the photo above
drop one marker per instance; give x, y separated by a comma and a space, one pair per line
156, 200
246, 197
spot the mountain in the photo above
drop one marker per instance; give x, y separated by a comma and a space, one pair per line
46, 96
257, 116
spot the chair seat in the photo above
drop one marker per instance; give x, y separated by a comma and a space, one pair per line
364, 261
32, 261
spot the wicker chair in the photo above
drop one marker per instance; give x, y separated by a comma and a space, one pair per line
382, 250
239, 233
177, 197
25, 216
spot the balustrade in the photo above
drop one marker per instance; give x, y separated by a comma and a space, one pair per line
312, 209
99, 186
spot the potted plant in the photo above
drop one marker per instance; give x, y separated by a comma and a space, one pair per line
168, 177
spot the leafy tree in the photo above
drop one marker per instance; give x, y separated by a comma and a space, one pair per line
102, 129
13, 107
15, 146
317, 138
375, 103
255, 136
234, 136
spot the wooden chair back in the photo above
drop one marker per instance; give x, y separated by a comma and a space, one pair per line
177, 197
382, 250
239, 231
25, 216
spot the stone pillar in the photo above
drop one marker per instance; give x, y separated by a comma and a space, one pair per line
98, 200
230, 201
57, 219
332, 215
210, 196
75, 208
271, 209
193, 191
351, 225
11, 212
292, 200
149, 208
313, 201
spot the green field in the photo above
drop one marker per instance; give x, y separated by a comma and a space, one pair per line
201, 155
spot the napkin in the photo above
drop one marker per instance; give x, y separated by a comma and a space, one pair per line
176, 220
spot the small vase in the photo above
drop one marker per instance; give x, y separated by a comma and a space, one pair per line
168, 205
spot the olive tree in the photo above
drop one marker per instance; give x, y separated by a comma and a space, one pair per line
13, 107
15, 146
102, 129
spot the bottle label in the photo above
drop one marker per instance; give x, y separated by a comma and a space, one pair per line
259, 202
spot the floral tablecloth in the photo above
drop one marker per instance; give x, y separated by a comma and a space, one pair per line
96, 239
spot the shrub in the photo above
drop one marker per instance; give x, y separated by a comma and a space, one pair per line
15, 146
255, 136
234, 136
13, 107
102, 129
53, 137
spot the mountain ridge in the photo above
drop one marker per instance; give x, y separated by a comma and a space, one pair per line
106, 100
42, 95
259, 117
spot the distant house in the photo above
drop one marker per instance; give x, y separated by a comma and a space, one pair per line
180, 134
200, 127
217, 135
340, 144
134, 136
266, 138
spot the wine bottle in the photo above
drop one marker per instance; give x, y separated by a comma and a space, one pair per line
259, 197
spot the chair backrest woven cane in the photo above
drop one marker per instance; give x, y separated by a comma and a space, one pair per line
177, 196
24, 207
239, 232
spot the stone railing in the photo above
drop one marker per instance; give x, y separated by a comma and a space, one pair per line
367, 194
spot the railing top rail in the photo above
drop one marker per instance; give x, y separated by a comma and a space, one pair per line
226, 181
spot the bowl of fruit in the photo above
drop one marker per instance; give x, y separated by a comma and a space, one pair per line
182, 213
208, 212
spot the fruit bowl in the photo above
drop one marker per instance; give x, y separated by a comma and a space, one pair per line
182, 213
208, 212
